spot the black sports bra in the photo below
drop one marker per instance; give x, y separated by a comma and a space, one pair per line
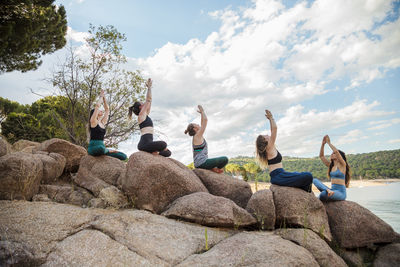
146, 123
277, 159
97, 133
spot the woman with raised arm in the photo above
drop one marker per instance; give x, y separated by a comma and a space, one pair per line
338, 171
269, 156
142, 110
200, 148
97, 122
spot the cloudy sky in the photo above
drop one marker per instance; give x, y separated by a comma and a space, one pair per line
321, 67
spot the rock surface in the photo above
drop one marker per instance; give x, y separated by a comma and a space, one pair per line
65, 194
72, 153
153, 182
22, 144
20, 176
53, 166
309, 240
253, 249
354, 226
225, 186
113, 197
206, 209
261, 206
47, 233
295, 207
98, 173
388, 256
5, 147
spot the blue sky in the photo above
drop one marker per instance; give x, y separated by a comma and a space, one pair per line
321, 67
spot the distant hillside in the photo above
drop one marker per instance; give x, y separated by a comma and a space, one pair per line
381, 164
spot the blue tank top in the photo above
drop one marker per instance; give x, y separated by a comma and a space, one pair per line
337, 175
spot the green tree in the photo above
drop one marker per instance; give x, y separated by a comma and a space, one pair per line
81, 77
8, 106
252, 168
28, 30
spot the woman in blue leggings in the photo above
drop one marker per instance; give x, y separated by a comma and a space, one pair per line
338, 171
98, 120
269, 156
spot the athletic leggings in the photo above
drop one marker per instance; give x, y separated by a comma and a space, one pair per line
147, 144
302, 180
338, 189
214, 163
97, 148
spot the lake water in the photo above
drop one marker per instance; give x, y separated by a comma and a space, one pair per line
383, 201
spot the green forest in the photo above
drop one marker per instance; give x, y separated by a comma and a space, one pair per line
373, 165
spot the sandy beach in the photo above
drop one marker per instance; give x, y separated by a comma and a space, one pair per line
353, 183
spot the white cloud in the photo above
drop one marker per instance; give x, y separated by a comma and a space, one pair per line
76, 36
394, 141
383, 124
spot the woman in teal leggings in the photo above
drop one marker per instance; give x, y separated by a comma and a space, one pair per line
338, 171
97, 128
200, 147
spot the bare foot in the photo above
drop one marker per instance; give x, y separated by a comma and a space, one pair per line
155, 153
217, 170
330, 192
112, 151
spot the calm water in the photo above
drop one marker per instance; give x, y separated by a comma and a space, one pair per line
383, 201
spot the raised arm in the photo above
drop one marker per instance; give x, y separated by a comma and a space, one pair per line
106, 109
274, 128
322, 153
147, 105
93, 119
204, 121
334, 149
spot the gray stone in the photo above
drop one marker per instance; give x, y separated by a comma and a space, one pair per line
20, 176
354, 226
225, 186
309, 240
206, 209
5, 147
388, 256
66, 193
53, 166
113, 197
261, 206
22, 144
296, 208
253, 249
152, 182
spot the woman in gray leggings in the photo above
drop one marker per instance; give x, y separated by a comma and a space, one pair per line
200, 148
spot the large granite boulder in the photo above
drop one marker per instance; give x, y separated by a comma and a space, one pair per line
206, 209
5, 147
309, 240
112, 197
53, 165
98, 173
72, 153
261, 206
388, 256
297, 208
20, 176
22, 144
253, 249
354, 226
152, 182
225, 186
52, 234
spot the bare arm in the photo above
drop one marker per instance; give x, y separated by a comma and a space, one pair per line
322, 153
149, 84
106, 109
93, 119
334, 149
274, 128
204, 121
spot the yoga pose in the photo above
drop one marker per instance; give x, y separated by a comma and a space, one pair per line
200, 148
338, 171
142, 110
268, 155
97, 128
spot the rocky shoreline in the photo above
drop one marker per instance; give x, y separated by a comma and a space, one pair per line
60, 206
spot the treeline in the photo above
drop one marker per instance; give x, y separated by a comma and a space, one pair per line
373, 165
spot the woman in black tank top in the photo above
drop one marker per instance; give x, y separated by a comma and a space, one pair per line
97, 122
265, 146
142, 110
